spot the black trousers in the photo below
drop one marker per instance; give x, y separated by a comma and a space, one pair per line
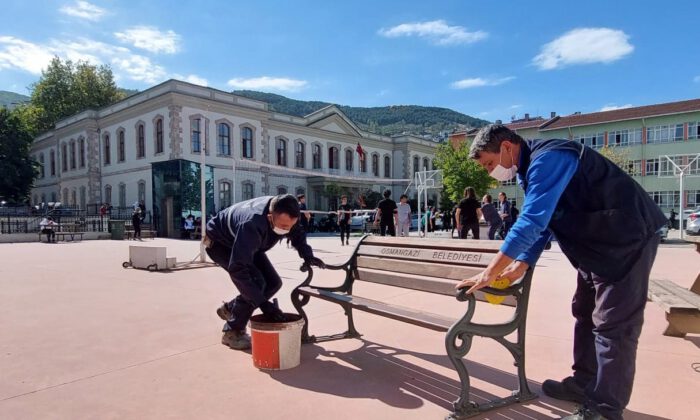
50, 234
609, 316
474, 227
344, 230
385, 227
268, 281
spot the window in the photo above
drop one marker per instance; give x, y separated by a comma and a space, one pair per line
692, 200
52, 163
375, 164
72, 154
281, 190
81, 152
53, 196
363, 163
65, 196
108, 194
83, 198
196, 136
618, 138
634, 167
432, 163
665, 198
694, 168
694, 130
224, 143
678, 133
43, 197
140, 141
416, 164
248, 191
64, 157
507, 183
317, 156
41, 165
122, 147
142, 192
348, 160
122, 195
666, 168
299, 153
660, 134
159, 135
333, 158
387, 167
247, 142
224, 194
282, 152
652, 167
73, 198
594, 141
426, 163
107, 150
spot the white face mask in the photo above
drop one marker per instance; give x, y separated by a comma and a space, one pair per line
500, 173
277, 230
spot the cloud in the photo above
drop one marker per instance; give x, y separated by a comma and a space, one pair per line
271, 83
696, 79
192, 78
479, 82
84, 10
19, 54
612, 107
516, 106
584, 46
151, 39
437, 31
140, 68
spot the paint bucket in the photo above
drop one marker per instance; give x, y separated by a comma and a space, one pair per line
276, 345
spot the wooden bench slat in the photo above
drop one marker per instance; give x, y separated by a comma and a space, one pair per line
673, 297
462, 244
454, 256
454, 272
400, 313
423, 283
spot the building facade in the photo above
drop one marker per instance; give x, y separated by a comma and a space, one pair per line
148, 148
644, 135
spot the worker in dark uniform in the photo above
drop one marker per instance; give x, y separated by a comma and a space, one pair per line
237, 239
608, 228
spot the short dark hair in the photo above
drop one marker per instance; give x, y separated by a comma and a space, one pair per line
504, 194
285, 203
403, 196
387, 193
300, 196
489, 139
469, 192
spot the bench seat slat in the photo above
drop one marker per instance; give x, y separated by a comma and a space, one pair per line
450, 256
673, 297
461, 245
447, 271
400, 313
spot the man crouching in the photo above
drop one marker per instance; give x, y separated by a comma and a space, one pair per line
238, 238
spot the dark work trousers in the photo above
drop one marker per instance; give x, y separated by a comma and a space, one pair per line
269, 282
344, 230
387, 227
474, 227
609, 316
493, 228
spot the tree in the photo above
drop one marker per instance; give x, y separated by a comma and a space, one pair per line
65, 89
459, 172
17, 170
619, 157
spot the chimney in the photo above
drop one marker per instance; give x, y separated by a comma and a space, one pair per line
552, 114
499, 122
527, 117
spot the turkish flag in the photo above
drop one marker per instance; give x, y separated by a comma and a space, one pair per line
360, 151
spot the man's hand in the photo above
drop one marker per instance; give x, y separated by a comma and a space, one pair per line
315, 261
481, 280
514, 271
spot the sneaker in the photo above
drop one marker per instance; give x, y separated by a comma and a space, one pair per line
567, 390
237, 340
224, 312
584, 413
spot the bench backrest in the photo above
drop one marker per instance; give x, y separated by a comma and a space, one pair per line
428, 265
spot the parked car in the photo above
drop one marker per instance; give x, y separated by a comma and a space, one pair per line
692, 226
359, 220
664, 233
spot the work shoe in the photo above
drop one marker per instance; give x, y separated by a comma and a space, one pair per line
567, 390
584, 413
237, 340
224, 312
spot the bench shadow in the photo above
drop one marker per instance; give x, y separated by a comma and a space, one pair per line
374, 371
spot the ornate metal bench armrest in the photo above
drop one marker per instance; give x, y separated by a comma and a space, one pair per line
511, 290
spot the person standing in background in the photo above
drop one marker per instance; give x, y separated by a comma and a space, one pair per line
386, 215
404, 215
504, 211
491, 216
468, 214
344, 215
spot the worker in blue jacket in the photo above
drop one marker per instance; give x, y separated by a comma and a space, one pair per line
608, 228
237, 239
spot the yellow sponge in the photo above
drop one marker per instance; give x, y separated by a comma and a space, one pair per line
499, 283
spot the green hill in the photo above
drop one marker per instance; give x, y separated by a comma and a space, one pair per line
7, 99
387, 120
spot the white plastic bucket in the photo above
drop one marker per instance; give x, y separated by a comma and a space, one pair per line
276, 345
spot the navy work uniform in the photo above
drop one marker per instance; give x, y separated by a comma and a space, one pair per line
240, 235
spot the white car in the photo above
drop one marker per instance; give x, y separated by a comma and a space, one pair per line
359, 220
692, 226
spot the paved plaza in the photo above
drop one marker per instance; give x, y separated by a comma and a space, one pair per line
83, 338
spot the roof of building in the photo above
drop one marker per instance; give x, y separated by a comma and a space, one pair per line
529, 123
622, 114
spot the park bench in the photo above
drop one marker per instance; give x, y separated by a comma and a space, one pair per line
682, 305
63, 231
146, 231
431, 266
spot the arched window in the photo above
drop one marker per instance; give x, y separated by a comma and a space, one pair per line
83, 198
53, 196
81, 152
65, 196
247, 142
299, 155
416, 164
196, 136
375, 164
224, 194
434, 165
64, 157
248, 191
224, 143
317, 156
107, 150
387, 167
108, 195
72, 154
348, 160
281, 190
73, 198
333, 158
41, 166
159, 135
363, 163
282, 152
426, 164
52, 163
122, 195
122, 147
142, 191
43, 197
140, 141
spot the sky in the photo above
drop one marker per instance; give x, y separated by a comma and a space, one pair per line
491, 60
